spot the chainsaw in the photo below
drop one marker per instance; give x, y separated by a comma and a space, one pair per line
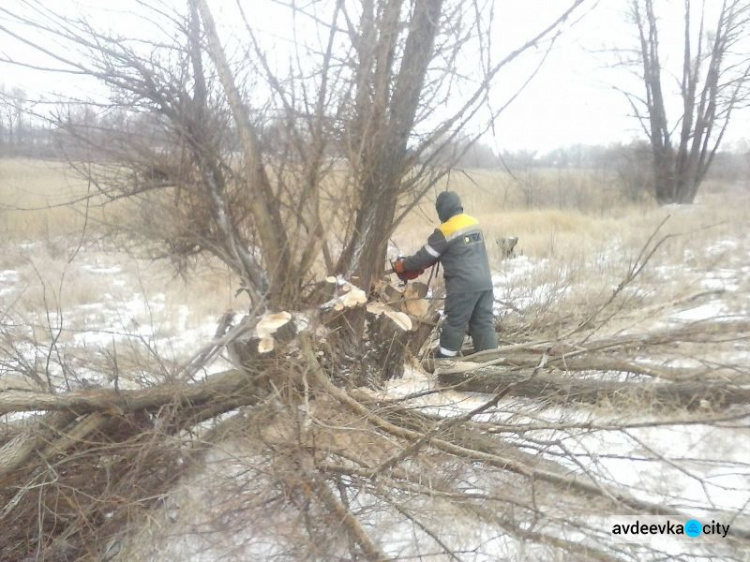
397, 267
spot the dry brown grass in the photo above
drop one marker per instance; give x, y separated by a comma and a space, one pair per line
33, 195
546, 231
54, 259
586, 250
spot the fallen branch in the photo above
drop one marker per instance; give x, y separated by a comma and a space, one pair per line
567, 364
573, 482
229, 383
18, 450
558, 389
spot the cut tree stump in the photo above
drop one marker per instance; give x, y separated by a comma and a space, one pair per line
366, 340
258, 338
507, 245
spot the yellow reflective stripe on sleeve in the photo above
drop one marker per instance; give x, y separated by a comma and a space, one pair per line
457, 225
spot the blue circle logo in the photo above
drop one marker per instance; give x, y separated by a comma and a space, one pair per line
693, 528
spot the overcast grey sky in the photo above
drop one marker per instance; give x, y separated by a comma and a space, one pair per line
571, 100
574, 98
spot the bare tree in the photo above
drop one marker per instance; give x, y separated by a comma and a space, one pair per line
367, 100
712, 85
228, 155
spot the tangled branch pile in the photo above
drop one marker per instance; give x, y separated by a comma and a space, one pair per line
83, 474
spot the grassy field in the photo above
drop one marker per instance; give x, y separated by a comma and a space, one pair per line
602, 221
574, 256
34, 197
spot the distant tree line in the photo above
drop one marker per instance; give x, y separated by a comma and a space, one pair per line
630, 164
21, 133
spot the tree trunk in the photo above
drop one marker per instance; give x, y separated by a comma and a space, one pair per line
369, 341
558, 389
264, 206
382, 145
707, 99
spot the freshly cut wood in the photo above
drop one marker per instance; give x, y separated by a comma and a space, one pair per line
279, 327
414, 301
261, 337
351, 297
271, 323
401, 319
371, 337
411, 300
387, 331
265, 345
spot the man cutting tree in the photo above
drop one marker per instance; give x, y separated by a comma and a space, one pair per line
458, 244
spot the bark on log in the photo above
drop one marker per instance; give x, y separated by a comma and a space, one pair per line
574, 363
231, 383
388, 332
18, 450
590, 391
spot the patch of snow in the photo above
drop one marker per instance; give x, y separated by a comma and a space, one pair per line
722, 246
713, 284
102, 270
708, 311
691, 475
669, 272
183, 313
515, 268
9, 276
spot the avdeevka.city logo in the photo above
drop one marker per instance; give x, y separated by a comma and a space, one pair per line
691, 528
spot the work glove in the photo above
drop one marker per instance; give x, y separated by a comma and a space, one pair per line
399, 268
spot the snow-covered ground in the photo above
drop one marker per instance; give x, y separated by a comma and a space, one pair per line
101, 305
700, 462
69, 318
